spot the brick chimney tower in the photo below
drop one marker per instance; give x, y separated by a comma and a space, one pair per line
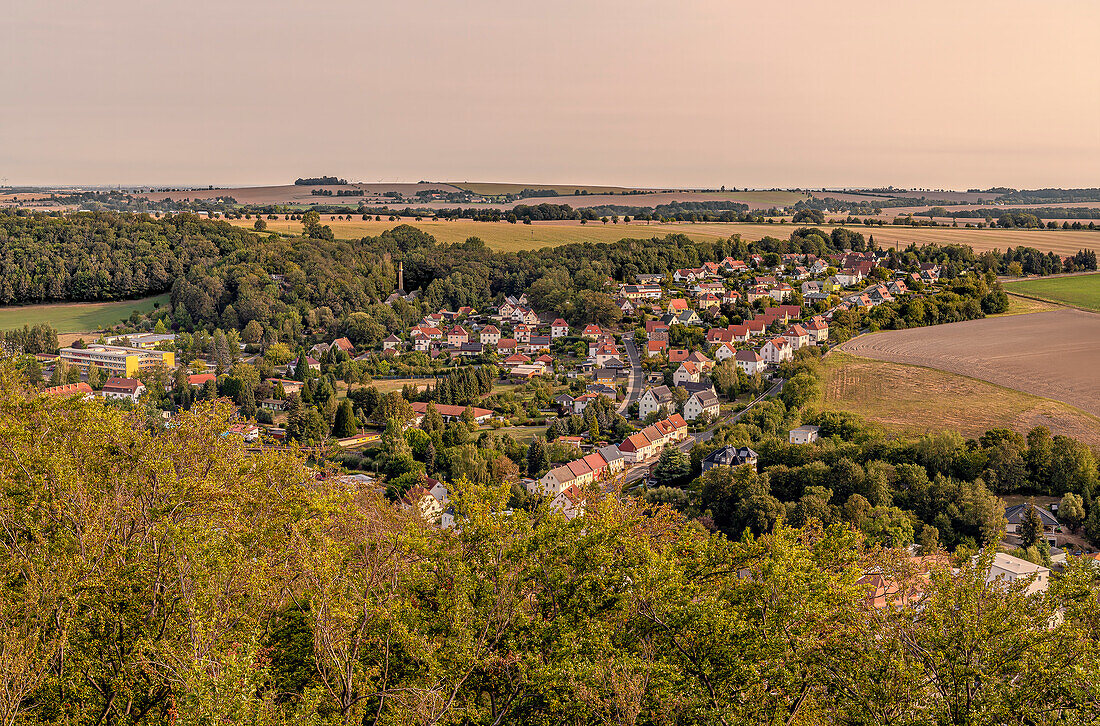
401, 277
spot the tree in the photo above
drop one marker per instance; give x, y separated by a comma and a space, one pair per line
345, 421
538, 457
1030, 530
260, 225
673, 468
1072, 510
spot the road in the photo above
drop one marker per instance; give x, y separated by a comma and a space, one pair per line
636, 377
638, 471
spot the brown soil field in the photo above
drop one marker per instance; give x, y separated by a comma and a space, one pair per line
1053, 354
914, 400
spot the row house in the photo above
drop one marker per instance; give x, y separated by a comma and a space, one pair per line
648, 442
641, 292
600, 464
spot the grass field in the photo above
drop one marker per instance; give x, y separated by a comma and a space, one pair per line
507, 237
914, 400
491, 188
1081, 291
76, 317
1021, 306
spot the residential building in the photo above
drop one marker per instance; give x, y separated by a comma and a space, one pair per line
688, 371
559, 329
730, 456
1007, 569
703, 402
658, 400
129, 389
1015, 515
776, 351
805, 434
749, 361
490, 335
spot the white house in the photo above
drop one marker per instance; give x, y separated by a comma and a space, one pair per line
749, 361
776, 351
805, 434
687, 372
1007, 569
724, 352
656, 399
490, 335
559, 328
701, 402
123, 388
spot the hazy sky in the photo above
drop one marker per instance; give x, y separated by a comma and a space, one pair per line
954, 94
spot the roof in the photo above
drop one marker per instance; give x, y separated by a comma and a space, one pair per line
122, 384
706, 398
1017, 566
727, 455
749, 356
1015, 515
68, 389
559, 323
421, 407
198, 379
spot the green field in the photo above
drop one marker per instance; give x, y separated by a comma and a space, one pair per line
76, 317
1081, 291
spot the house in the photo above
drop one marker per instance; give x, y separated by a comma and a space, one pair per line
1007, 569
273, 404
658, 400
797, 336
249, 433
676, 306
1014, 517
451, 413
638, 447
506, 346
605, 375
655, 347
421, 501
607, 352
591, 332
730, 456
391, 342
490, 335
421, 342
570, 502
724, 352
523, 332
342, 344
749, 361
805, 434
818, 329
656, 330
780, 292
516, 359
703, 402
731, 266
199, 379
756, 327
457, 335
776, 351
559, 329
701, 361
687, 371
123, 388
312, 364
564, 402
70, 389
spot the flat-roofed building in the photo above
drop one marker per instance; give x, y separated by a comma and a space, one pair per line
117, 360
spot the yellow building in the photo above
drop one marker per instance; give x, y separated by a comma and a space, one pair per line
117, 360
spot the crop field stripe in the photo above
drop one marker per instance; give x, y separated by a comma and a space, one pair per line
1076, 291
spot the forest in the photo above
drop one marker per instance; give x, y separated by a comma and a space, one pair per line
167, 576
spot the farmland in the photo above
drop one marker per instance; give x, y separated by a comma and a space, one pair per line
1081, 291
513, 237
76, 317
1050, 354
913, 400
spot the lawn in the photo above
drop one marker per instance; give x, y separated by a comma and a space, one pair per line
506, 237
76, 317
1081, 291
915, 400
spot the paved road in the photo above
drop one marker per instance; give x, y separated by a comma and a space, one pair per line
637, 471
636, 377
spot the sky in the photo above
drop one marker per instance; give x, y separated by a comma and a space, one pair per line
935, 94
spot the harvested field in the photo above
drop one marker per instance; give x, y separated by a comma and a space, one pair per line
1081, 291
512, 237
1021, 306
914, 400
76, 317
1050, 354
